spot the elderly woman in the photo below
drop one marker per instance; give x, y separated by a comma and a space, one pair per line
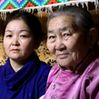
72, 39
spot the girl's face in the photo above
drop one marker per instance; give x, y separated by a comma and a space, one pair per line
18, 41
67, 45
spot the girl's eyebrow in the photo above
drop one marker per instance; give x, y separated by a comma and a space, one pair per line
8, 31
27, 30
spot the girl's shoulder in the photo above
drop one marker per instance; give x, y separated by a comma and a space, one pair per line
44, 66
1, 67
1, 70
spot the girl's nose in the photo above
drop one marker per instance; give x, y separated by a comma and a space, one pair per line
15, 41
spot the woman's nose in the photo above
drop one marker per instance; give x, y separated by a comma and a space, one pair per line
59, 44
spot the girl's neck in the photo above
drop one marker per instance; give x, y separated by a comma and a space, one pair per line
16, 65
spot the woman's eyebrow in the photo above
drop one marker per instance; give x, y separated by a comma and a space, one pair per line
64, 28
49, 31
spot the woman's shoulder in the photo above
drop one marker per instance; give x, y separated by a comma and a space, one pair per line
93, 76
94, 67
54, 70
52, 74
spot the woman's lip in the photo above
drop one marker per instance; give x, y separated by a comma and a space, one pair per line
63, 55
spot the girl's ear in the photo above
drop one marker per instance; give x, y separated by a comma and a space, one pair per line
93, 36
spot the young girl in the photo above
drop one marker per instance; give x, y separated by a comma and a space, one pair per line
23, 76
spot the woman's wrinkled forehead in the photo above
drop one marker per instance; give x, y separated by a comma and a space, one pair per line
64, 16
82, 18
67, 21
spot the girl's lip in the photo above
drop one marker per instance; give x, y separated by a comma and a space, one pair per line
14, 50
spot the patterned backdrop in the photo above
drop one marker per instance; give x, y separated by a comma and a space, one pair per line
12, 4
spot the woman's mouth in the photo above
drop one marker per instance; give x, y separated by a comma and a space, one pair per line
62, 56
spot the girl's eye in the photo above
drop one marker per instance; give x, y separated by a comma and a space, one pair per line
8, 35
23, 36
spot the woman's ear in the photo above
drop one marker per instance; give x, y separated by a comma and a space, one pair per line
93, 36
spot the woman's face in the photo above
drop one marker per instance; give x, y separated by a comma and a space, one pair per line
67, 45
18, 41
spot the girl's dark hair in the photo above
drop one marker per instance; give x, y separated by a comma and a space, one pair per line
31, 21
82, 18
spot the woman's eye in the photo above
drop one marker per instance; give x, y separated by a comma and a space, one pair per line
51, 37
67, 34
